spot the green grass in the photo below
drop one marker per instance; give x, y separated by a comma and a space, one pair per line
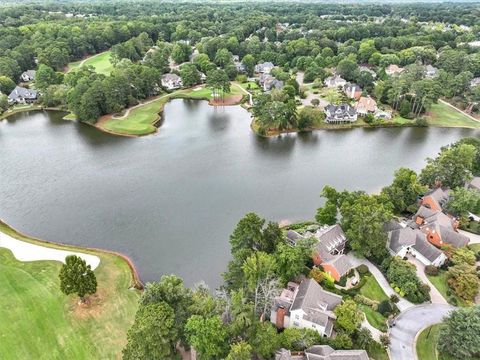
18, 109
372, 290
206, 93
39, 322
474, 247
70, 116
100, 62
427, 344
443, 115
374, 318
140, 121
440, 282
377, 352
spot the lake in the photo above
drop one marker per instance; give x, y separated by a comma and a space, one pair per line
170, 201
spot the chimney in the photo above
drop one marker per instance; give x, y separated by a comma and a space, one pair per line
280, 318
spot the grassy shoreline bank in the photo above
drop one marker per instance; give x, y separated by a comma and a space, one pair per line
38, 321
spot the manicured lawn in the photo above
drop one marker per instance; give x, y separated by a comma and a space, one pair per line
140, 120
39, 322
372, 290
443, 115
427, 344
100, 62
70, 116
377, 352
206, 93
474, 247
374, 318
440, 282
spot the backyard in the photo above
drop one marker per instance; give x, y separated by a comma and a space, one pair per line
39, 322
373, 291
441, 114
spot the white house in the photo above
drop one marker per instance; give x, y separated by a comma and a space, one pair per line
335, 81
28, 75
171, 81
305, 306
340, 114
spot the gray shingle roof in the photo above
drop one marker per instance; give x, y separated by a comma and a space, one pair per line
426, 248
341, 263
400, 238
452, 237
325, 352
21, 92
310, 295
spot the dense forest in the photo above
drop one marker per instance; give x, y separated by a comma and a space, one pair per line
315, 38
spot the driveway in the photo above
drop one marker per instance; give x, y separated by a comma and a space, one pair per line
409, 323
435, 296
474, 238
355, 261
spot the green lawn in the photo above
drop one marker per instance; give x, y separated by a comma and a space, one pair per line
39, 322
140, 121
440, 282
100, 62
443, 115
427, 344
206, 93
374, 318
372, 290
377, 352
474, 247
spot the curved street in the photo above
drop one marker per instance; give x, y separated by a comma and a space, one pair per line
409, 323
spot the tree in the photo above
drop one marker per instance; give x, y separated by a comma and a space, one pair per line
181, 52
258, 267
172, 291
291, 261
464, 200
463, 256
299, 339
272, 237
404, 190
403, 277
327, 215
264, 339
452, 167
76, 277
153, 335
3, 103
460, 333
207, 335
46, 76
190, 75
363, 218
6, 85
346, 68
249, 62
463, 280
223, 57
315, 102
240, 351
218, 80
348, 315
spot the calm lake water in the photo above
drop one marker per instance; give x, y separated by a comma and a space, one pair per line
170, 201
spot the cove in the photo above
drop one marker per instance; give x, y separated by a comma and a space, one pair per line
170, 201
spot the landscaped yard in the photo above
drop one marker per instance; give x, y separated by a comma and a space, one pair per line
440, 282
100, 62
427, 344
443, 115
374, 318
39, 322
372, 290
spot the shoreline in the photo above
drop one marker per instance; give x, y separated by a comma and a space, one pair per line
135, 278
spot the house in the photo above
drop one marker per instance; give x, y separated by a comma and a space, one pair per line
28, 75
241, 68
383, 114
305, 306
405, 240
475, 82
322, 352
353, 91
21, 95
474, 183
171, 81
335, 81
329, 249
264, 68
435, 199
340, 114
366, 105
430, 71
393, 70
367, 69
268, 82
439, 228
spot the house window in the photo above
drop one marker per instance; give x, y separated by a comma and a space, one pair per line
297, 317
295, 323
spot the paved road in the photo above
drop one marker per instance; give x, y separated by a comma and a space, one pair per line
402, 304
409, 323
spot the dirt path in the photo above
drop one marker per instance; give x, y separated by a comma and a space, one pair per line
463, 112
250, 97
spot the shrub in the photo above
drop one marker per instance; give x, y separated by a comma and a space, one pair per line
363, 269
385, 340
421, 121
385, 308
365, 301
431, 270
317, 275
394, 298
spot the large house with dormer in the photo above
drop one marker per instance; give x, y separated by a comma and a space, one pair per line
21, 95
340, 114
305, 306
322, 352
